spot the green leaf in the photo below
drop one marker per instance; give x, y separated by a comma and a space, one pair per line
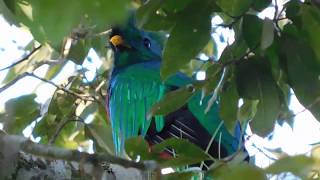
255, 81
146, 11
172, 101
137, 146
247, 110
102, 135
259, 5
234, 51
191, 32
267, 34
310, 18
234, 7
78, 51
298, 165
19, 113
241, 172
299, 57
184, 152
178, 175
252, 30
228, 106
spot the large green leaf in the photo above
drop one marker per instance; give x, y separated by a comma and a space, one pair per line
240, 172
187, 38
172, 101
298, 165
19, 113
252, 30
255, 81
234, 7
184, 152
228, 106
303, 70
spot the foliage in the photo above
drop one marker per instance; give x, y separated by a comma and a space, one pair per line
268, 58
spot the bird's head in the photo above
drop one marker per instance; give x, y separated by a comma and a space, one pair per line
132, 45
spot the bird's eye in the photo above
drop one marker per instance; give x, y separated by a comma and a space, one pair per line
146, 43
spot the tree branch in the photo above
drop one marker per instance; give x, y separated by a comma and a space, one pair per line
30, 147
23, 59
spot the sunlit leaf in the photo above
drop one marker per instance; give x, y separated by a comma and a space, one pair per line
241, 171
172, 101
299, 165
184, 152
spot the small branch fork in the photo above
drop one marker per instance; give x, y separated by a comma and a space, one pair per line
30, 147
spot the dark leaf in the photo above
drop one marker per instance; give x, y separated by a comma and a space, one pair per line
306, 85
252, 30
255, 81
234, 7
228, 106
259, 5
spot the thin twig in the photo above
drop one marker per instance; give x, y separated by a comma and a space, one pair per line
80, 96
265, 154
72, 155
23, 59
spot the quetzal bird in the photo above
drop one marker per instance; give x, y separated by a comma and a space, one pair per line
136, 85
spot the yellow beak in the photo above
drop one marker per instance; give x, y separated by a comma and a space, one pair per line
116, 40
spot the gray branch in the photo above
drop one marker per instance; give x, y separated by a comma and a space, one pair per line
30, 147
